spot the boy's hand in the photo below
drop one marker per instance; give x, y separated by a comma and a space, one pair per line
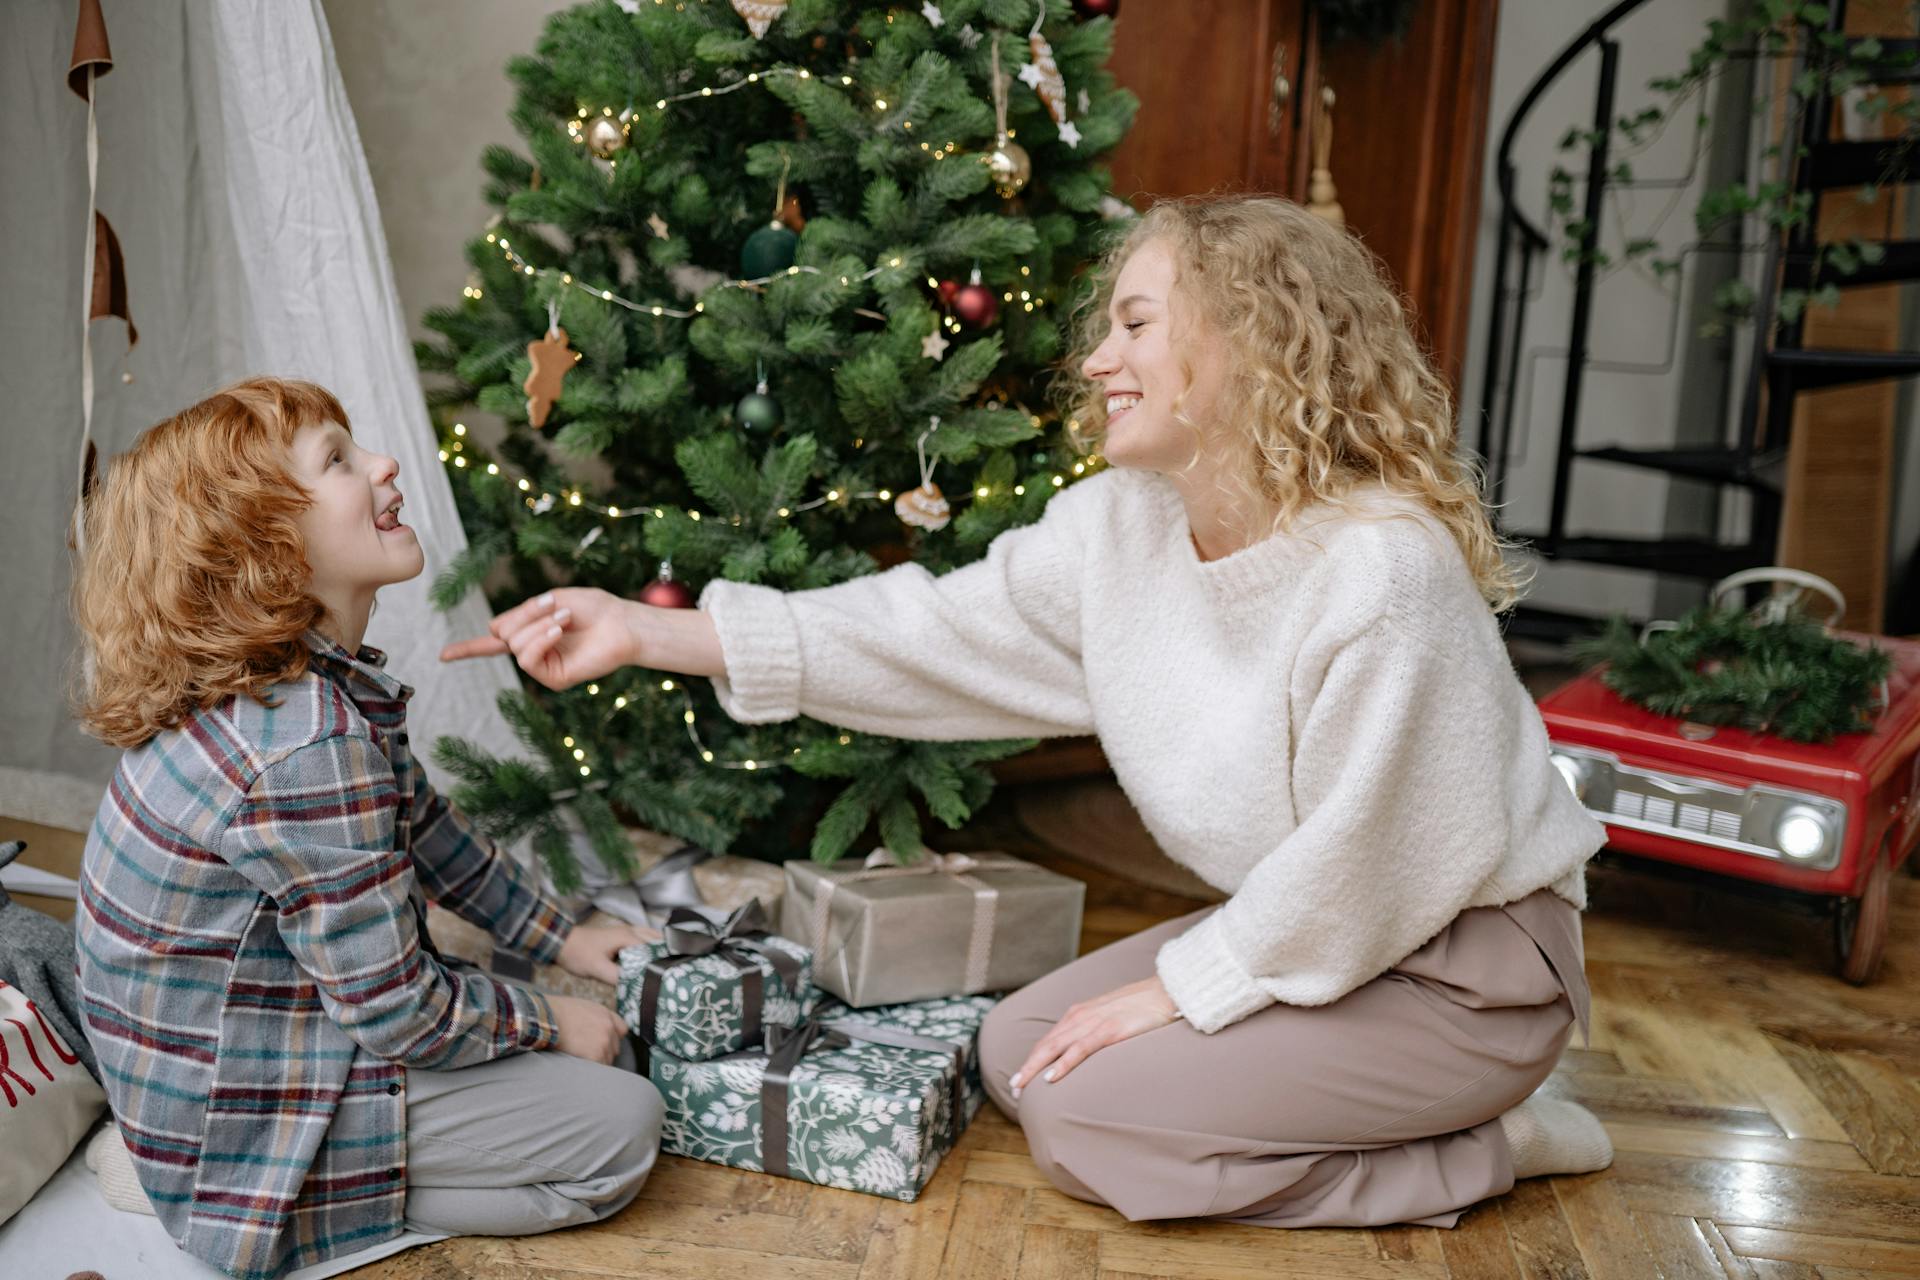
593, 951
586, 1030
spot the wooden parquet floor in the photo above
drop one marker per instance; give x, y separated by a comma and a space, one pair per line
1766, 1118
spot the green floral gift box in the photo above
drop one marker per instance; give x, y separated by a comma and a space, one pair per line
862, 1099
709, 987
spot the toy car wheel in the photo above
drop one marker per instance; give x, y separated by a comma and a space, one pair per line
1860, 927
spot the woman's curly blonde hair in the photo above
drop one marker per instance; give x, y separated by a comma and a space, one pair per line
194, 583
1331, 387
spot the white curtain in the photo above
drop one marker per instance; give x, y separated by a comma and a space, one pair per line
231, 168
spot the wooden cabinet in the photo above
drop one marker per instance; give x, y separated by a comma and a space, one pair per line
1225, 88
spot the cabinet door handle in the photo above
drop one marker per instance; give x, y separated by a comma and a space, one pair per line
1281, 92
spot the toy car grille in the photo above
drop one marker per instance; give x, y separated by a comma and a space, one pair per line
1743, 819
1683, 816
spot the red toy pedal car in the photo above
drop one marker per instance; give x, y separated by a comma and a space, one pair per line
1828, 819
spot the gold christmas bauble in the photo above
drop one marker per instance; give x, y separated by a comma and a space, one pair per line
1010, 166
605, 135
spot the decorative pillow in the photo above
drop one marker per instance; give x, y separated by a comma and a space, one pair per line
47, 1100
36, 956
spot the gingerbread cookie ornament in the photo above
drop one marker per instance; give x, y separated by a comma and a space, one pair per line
925, 507
551, 360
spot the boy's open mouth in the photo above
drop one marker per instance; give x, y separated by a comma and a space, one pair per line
389, 520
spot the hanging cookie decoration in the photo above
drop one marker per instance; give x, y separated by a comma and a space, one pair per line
760, 14
551, 360
925, 507
1043, 76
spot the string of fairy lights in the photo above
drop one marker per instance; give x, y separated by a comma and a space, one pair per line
454, 451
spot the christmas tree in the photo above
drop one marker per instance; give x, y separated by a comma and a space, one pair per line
773, 298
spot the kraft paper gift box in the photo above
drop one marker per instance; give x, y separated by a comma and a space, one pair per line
862, 1099
712, 984
949, 924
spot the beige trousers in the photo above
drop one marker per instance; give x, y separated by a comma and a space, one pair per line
527, 1143
1379, 1108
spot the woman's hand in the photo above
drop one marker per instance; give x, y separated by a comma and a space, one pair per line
583, 633
593, 951
560, 638
1094, 1024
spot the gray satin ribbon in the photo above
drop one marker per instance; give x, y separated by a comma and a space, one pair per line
738, 940
787, 1046
667, 884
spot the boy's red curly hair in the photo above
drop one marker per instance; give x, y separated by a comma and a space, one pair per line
194, 583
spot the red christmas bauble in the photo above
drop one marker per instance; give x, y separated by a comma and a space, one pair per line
667, 593
945, 291
975, 305
1097, 8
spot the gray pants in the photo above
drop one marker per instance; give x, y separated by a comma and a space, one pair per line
526, 1144
1379, 1108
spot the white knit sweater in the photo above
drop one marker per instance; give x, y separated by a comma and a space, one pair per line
1324, 725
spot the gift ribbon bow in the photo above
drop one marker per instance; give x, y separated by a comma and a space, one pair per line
787, 1046
739, 940
883, 864
669, 883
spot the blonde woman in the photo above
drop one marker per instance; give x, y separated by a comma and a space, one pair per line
1276, 610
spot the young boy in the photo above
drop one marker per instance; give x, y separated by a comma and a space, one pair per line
296, 1071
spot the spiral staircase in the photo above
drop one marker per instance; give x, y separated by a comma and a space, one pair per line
1750, 456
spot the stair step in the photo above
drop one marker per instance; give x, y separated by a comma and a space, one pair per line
1899, 260
1712, 462
1813, 367
1684, 557
1856, 164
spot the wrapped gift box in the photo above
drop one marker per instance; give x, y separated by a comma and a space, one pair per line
948, 924
866, 1100
712, 983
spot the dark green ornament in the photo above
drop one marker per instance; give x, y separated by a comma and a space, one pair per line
768, 251
758, 411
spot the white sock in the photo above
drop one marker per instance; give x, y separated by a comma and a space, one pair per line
1551, 1135
107, 1157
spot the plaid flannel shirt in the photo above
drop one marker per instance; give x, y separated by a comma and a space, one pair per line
255, 970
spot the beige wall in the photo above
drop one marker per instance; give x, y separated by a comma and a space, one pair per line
429, 87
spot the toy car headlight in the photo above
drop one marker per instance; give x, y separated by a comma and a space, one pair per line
1577, 770
1802, 832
